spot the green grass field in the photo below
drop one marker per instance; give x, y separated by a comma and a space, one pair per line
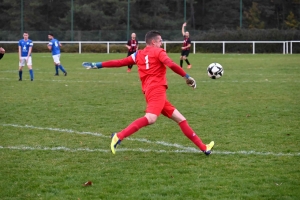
55, 131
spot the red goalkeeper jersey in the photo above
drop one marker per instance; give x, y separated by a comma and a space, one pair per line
151, 62
151, 68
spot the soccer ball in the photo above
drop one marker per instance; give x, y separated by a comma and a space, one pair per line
215, 70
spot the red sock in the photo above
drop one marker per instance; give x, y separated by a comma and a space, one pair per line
133, 127
188, 132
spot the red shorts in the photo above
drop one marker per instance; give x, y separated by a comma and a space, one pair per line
157, 102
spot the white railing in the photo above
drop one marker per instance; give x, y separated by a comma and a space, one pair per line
285, 44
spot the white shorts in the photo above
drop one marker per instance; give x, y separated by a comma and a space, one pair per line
23, 61
56, 58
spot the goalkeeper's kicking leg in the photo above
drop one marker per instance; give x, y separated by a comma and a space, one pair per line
189, 133
158, 104
150, 118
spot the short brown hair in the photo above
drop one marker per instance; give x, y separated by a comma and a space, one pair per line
151, 35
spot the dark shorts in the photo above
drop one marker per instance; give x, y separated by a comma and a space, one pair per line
130, 52
185, 53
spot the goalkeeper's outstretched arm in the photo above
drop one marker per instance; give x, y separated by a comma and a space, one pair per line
178, 70
118, 63
109, 64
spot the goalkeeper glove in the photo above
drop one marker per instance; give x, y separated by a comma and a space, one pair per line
89, 65
190, 81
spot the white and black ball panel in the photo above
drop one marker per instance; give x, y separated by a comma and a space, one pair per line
215, 70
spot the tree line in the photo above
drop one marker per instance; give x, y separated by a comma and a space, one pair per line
105, 16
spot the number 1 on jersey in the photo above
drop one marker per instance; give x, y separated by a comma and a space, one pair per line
147, 62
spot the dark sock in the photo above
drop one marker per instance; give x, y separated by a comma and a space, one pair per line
20, 74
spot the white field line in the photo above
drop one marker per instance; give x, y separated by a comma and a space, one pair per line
145, 150
101, 135
181, 149
208, 81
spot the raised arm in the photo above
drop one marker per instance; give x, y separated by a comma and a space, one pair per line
182, 29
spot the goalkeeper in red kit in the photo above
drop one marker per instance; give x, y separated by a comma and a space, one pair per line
151, 63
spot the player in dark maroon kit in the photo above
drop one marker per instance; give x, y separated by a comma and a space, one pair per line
132, 46
2, 52
185, 49
152, 64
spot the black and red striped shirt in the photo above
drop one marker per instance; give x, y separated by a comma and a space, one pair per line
186, 42
133, 44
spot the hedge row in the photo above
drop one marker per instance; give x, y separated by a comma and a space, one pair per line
73, 48
212, 35
247, 35
171, 48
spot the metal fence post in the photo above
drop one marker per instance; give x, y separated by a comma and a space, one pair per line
194, 47
79, 47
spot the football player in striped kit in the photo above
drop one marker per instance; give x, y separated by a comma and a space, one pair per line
132, 46
185, 49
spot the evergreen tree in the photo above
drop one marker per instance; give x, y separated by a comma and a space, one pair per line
253, 17
291, 22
